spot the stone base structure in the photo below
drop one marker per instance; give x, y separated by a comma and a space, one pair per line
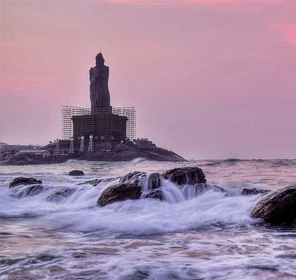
101, 124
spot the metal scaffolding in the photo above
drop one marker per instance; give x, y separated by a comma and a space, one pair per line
90, 145
81, 149
71, 149
130, 113
69, 111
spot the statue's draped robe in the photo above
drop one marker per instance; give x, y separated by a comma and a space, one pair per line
99, 91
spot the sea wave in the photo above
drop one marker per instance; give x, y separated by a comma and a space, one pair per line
75, 208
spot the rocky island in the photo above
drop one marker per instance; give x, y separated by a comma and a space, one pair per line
120, 152
100, 133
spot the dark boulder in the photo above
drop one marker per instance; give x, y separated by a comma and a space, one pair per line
154, 181
76, 173
185, 175
120, 192
157, 194
278, 208
24, 181
254, 191
133, 177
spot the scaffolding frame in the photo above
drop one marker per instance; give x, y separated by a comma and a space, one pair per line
69, 111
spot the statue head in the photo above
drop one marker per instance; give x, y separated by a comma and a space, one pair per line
100, 59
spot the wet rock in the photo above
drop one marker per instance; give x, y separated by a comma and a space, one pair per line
120, 192
76, 173
278, 208
185, 175
95, 182
154, 181
133, 177
23, 181
254, 191
28, 191
157, 194
61, 194
201, 188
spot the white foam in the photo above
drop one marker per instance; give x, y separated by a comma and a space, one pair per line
148, 216
182, 209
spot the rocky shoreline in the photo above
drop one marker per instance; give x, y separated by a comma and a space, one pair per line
274, 208
155, 153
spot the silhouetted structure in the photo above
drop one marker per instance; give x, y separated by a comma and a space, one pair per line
101, 125
99, 91
68, 112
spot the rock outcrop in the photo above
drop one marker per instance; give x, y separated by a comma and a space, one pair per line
137, 184
76, 173
278, 208
24, 181
120, 192
185, 175
121, 152
254, 191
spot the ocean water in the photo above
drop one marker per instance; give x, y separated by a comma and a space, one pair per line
58, 232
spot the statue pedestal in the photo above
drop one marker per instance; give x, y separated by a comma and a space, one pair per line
102, 125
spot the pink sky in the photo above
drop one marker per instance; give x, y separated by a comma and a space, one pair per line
209, 79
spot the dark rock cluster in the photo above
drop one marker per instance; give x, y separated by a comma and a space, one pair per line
34, 187
275, 208
131, 185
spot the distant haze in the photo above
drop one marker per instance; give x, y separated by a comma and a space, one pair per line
209, 79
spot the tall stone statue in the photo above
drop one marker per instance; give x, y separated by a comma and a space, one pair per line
99, 91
